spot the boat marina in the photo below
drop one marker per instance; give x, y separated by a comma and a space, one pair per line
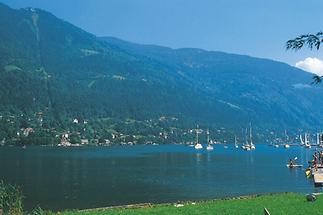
314, 170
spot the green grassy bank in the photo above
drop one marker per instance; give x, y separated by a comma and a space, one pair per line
286, 203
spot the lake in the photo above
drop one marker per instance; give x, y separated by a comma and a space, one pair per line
87, 177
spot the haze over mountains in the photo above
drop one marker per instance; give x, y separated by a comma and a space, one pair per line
49, 65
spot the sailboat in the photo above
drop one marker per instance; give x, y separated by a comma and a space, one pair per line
320, 140
252, 146
275, 142
246, 146
209, 146
286, 144
235, 142
198, 145
307, 142
301, 139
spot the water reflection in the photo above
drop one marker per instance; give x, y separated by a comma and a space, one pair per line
198, 158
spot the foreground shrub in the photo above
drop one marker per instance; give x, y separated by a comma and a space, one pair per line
39, 211
10, 199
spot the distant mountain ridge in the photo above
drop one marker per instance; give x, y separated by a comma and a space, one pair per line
48, 65
243, 82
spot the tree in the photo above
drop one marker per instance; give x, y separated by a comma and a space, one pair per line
309, 40
75, 139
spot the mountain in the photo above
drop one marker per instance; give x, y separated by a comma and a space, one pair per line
53, 69
263, 91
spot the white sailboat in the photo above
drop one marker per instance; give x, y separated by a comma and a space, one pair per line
198, 145
307, 142
320, 140
252, 146
301, 139
275, 142
235, 142
246, 146
209, 146
286, 144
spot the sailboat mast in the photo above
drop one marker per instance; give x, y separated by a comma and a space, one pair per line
250, 135
317, 139
246, 136
208, 136
197, 134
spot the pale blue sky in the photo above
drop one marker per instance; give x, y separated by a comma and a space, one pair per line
254, 27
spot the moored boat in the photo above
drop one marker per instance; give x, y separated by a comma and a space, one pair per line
286, 145
209, 146
198, 145
294, 165
235, 142
307, 142
252, 146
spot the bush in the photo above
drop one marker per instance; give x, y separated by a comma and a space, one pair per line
38, 211
10, 199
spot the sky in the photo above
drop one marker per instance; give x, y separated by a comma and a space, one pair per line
258, 28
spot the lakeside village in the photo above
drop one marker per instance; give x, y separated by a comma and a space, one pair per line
41, 129
22, 130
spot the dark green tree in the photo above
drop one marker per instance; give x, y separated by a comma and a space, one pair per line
75, 139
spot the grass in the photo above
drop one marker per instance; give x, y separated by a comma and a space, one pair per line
286, 203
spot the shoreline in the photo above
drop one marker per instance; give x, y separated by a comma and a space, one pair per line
276, 203
149, 204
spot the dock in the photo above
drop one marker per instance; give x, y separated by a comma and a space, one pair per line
318, 177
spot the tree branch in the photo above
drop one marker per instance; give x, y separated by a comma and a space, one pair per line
310, 40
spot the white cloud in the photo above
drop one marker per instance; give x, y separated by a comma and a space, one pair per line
313, 65
301, 86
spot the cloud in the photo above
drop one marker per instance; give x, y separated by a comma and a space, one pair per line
301, 86
313, 65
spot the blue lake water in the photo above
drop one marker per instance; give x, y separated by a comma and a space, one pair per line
65, 178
